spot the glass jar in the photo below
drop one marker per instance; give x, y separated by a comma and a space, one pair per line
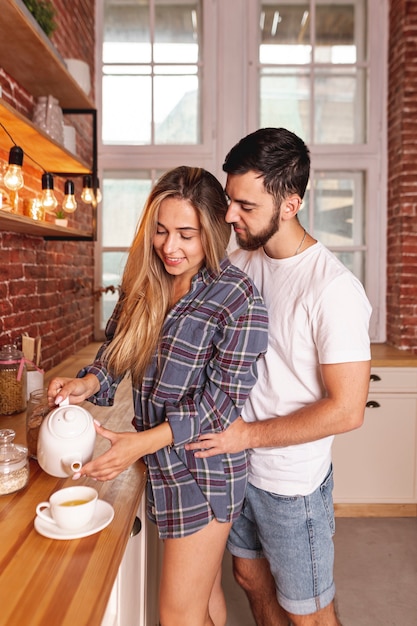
12, 381
14, 464
38, 408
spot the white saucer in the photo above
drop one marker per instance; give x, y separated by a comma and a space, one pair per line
103, 515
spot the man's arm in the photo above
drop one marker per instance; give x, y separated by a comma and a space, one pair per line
341, 410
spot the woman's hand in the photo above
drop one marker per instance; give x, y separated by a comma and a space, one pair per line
75, 389
125, 449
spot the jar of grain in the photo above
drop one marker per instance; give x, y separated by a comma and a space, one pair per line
12, 381
14, 464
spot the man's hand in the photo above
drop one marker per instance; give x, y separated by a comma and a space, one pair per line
233, 439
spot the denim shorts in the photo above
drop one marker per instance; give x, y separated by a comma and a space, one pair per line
295, 534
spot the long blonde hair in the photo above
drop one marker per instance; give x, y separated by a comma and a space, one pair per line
146, 286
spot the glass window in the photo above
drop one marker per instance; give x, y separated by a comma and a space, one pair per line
313, 71
183, 80
151, 72
124, 196
333, 211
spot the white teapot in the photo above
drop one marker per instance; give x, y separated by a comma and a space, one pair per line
66, 440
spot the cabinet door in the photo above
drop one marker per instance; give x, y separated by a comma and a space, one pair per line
134, 597
127, 602
377, 462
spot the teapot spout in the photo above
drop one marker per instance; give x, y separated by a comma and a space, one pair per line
72, 464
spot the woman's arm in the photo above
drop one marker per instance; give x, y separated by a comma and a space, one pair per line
126, 448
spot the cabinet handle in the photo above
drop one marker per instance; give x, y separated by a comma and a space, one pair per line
371, 404
374, 378
136, 528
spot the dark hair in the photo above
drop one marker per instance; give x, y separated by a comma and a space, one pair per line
280, 157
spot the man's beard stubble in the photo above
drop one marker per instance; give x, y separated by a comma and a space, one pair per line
253, 242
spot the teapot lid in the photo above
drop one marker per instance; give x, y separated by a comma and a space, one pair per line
69, 421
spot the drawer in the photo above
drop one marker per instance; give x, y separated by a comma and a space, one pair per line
393, 379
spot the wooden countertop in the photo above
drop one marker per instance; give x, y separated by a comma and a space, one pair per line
46, 582
384, 355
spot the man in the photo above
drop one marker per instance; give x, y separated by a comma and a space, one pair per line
312, 385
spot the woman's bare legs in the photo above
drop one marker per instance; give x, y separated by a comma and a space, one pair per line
189, 571
217, 602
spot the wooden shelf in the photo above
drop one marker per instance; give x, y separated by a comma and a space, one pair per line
26, 226
52, 156
28, 55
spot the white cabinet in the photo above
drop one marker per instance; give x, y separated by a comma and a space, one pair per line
134, 597
377, 463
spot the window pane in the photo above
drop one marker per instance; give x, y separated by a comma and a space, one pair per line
176, 109
176, 31
304, 211
126, 37
339, 99
113, 264
285, 97
123, 201
354, 261
127, 107
340, 32
339, 208
285, 33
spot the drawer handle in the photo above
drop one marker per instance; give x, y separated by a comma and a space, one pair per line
374, 378
371, 404
136, 528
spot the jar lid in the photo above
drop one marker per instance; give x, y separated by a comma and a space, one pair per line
10, 353
12, 456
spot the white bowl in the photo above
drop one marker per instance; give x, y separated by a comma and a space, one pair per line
80, 71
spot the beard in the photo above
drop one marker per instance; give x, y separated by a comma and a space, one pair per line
253, 242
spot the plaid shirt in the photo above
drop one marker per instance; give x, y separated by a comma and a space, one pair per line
205, 369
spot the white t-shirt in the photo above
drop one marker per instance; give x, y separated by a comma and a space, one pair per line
318, 314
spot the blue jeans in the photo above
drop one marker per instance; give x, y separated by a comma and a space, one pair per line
295, 534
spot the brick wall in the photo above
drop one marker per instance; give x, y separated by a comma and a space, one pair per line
46, 287
402, 177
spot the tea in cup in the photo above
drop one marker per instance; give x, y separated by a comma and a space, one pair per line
70, 508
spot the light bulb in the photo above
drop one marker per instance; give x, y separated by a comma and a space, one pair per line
48, 200
99, 196
69, 205
13, 178
87, 194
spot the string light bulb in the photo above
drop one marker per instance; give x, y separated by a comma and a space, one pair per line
13, 178
87, 194
69, 204
99, 196
48, 199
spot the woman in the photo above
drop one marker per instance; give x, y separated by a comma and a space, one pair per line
189, 327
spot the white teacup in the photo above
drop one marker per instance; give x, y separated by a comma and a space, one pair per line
70, 508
